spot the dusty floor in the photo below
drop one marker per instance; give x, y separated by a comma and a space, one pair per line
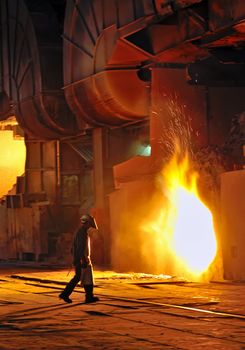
135, 311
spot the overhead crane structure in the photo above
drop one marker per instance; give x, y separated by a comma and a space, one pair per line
85, 79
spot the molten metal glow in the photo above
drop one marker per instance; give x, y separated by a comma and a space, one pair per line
193, 235
183, 228
12, 160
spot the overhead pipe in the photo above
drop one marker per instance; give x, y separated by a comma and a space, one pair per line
107, 43
31, 69
102, 84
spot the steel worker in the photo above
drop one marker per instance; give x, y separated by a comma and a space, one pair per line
82, 262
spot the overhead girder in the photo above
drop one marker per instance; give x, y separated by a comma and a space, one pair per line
186, 35
31, 69
107, 43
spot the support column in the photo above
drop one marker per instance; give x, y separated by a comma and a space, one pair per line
99, 163
103, 182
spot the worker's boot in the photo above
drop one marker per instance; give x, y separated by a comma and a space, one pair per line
65, 297
90, 298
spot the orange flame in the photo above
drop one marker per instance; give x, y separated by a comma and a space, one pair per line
183, 229
12, 160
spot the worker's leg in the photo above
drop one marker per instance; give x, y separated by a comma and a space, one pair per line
90, 298
71, 285
87, 281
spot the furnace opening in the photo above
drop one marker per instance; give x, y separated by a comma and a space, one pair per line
180, 224
12, 155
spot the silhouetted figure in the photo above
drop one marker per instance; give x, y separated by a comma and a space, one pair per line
82, 262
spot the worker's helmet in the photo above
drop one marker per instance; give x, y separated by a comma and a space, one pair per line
85, 218
88, 219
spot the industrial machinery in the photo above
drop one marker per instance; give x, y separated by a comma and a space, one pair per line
95, 85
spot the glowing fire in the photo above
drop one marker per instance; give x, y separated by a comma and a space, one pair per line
12, 160
183, 228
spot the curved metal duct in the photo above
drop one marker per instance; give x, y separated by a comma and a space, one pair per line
103, 84
110, 44
31, 68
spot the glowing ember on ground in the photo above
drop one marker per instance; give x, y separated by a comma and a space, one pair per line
183, 226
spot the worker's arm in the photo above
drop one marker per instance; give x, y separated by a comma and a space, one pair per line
79, 248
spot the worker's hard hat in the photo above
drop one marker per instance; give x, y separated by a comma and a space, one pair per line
88, 219
85, 218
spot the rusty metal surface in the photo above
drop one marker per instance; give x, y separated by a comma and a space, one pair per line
41, 171
166, 7
102, 86
223, 13
31, 69
23, 234
106, 43
232, 211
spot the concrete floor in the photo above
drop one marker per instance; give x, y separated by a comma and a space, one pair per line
135, 311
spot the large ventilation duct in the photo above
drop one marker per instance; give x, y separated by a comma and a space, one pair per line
103, 85
110, 46
31, 69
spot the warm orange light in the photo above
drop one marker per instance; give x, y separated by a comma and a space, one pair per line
183, 225
12, 160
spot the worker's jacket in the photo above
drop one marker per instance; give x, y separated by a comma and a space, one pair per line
81, 246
